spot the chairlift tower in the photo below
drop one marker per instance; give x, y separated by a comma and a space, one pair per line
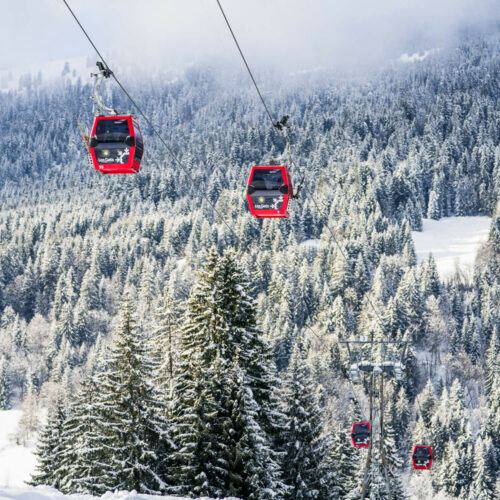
387, 366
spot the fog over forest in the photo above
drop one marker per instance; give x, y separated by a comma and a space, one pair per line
179, 345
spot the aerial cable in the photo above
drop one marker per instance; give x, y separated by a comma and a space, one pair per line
160, 137
279, 124
246, 64
153, 128
282, 126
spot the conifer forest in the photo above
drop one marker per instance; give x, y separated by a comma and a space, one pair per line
180, 346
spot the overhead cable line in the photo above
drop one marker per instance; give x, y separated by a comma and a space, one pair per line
246, 64
276, 126
169, 149
165, 144
153, 128
282, 126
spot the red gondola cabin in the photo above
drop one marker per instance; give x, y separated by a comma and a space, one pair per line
360, 434
268, 191
116, 145
422, 457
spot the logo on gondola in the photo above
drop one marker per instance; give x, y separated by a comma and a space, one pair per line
268, 203
120, 156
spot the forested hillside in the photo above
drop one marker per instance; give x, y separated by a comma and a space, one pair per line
181, 353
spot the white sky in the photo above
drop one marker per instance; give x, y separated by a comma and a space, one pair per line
300, 33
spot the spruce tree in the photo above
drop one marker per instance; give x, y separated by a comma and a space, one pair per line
492, 362
252, 471
5, 385
164, 342
86, 442
401, 420
49, 448
134, 409
427, 402
219, 327
305, 449
342, 463
490, 465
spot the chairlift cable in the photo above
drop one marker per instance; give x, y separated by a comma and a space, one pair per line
280, 126
246, 64
287, 141
153, 128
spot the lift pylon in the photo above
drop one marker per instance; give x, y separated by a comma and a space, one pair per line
386, 366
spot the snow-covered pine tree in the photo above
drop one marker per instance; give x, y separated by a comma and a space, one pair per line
85, 442
401, 421
427, 403
342, 463
448, 470
219, 326
491, 425
164, 342
137, 433
393, 461
5, 385
483, 484
251, 470
304, 469
49, 448
492, 362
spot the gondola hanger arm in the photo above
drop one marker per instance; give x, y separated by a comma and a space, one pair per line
104, 72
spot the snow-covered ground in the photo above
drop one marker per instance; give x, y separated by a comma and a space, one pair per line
47, 493
16, 462
314, 243
452, 241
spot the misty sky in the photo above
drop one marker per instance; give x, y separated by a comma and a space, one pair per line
297, 33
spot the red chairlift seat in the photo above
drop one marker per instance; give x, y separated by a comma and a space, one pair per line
268, 191
116, 145
360, 434
422, 457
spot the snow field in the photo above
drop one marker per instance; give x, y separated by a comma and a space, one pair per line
453, 241
48, 493
16, 462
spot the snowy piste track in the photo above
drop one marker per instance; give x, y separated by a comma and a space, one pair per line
17, 462
453, 241
47, 493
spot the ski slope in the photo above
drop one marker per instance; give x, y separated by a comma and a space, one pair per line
47, 493
16, 462
453, 241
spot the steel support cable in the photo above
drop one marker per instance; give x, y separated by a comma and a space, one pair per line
275, 125
153, 128
341, 250
287, 142
245, 61
169, 149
